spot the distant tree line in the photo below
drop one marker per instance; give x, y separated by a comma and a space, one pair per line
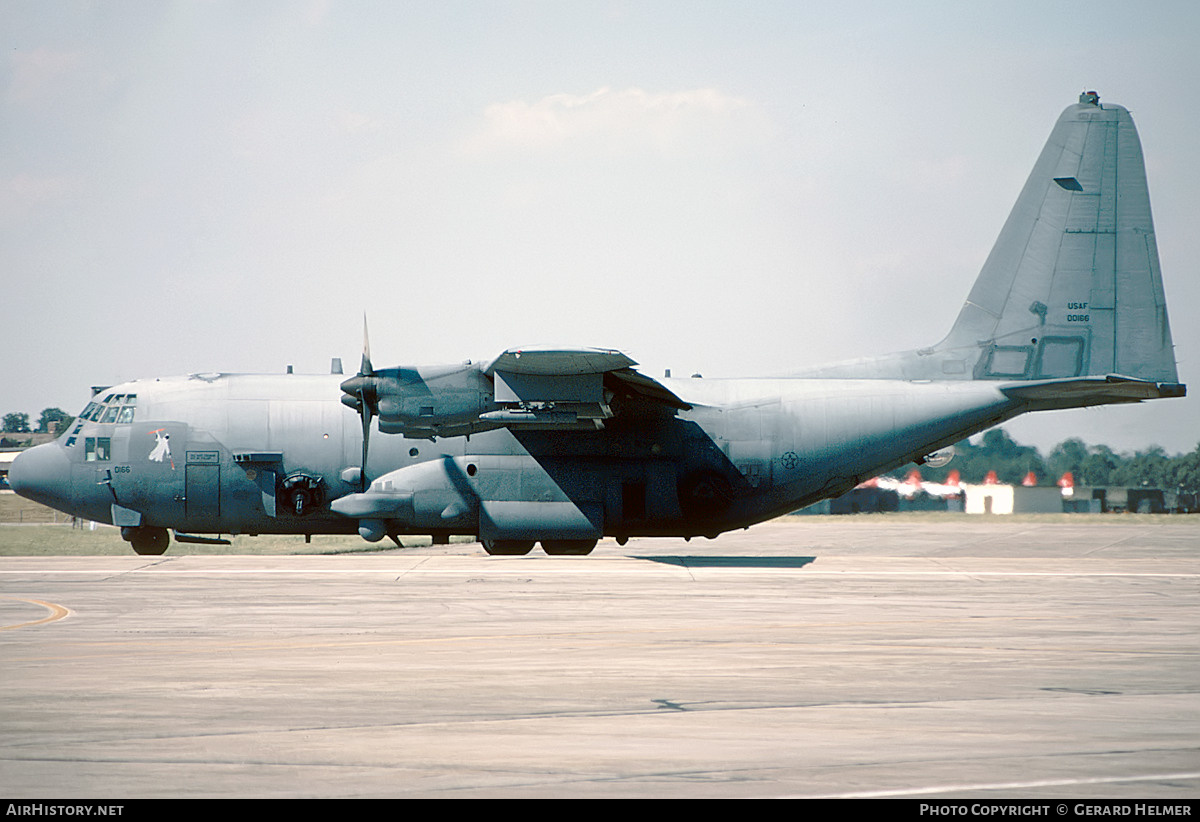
18, 422
1095, 465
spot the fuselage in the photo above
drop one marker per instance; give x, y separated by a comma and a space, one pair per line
251, 454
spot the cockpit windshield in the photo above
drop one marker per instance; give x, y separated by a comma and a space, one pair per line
114, 408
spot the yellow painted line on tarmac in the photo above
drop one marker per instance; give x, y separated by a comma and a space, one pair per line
57, 612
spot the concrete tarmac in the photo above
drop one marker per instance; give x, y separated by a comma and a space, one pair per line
862, 656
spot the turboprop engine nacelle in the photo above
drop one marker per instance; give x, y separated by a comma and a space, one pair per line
425, 496
438, 402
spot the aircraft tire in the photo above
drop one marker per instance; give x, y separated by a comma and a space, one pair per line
568, 547
149, 542
507, 547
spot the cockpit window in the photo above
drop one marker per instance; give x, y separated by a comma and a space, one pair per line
116, 408
97, 449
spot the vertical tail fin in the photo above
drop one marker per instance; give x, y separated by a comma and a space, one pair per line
1072, 286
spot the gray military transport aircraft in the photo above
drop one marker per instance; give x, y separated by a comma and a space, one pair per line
563, 446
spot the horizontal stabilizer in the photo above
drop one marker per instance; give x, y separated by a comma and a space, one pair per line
1088, 391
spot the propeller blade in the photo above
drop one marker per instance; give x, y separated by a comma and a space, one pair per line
365, 370
361, 394
366, 426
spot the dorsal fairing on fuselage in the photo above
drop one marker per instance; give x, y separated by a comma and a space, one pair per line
1072, 286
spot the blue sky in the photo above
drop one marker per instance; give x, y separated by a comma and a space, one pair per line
728, 188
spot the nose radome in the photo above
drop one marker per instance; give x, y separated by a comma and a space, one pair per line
41, 474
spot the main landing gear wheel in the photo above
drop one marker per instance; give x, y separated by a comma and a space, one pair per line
568, 547
507, 547
147, 541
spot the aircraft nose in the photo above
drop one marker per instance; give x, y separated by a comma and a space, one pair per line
41, 474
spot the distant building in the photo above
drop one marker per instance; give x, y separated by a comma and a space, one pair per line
1012, 499
6, 459
887, 494
1131, 500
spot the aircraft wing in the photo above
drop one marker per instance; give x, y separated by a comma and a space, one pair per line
570, 376
646, 387
550, 361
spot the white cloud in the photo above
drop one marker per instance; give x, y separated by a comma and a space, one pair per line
628, 121
315, 13
22, 193
38, 73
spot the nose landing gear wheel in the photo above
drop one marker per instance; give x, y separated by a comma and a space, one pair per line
147, 541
